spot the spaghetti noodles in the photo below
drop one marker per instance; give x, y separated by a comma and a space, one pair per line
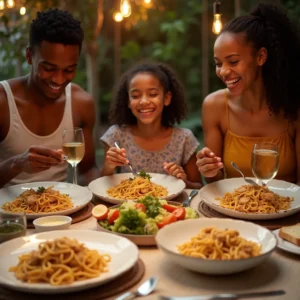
61, 261
255, 199
40, 201
137, 188
219, 244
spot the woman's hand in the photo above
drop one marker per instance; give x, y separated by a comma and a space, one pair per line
208, 163
115, 157
175, 170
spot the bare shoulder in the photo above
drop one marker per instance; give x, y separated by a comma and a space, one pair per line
80, 95
215, 99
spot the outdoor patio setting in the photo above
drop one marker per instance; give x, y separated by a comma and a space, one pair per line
149, 149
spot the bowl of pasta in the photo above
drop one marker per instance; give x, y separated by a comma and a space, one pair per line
139, 221
120, 187
233, 198
216, 246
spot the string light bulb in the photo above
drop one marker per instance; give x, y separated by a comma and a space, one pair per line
217, 23
2, 5
118, 17
10, 3
22, 10
125, 8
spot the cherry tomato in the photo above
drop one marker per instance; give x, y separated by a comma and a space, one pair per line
140, 206
179, 213
169, 207
167, 220
114, 215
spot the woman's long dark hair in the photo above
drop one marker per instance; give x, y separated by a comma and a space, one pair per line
268, 26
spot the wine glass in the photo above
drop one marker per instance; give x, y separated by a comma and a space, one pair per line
73, 147
12, 226
265, 161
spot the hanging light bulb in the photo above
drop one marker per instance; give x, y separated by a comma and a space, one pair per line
10, 3
147, 1
217, 23
2, 5
118, 17
23, 10
125, 8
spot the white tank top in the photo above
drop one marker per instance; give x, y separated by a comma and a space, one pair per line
19, 138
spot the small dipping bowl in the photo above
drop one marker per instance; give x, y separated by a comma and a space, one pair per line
50, 223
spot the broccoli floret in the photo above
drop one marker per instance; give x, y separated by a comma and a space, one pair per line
190, 213
150, 227
132, 220
152, 206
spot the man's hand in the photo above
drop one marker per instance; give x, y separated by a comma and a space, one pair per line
37, 159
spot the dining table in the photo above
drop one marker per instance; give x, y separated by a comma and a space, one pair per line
280, 271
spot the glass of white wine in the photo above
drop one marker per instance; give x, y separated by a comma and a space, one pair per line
265, 161
73, 147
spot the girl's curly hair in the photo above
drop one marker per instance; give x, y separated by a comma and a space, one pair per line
121, 114
268, 26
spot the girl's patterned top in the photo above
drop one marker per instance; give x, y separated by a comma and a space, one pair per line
181, 146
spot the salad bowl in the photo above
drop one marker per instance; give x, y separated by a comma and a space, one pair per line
138, 237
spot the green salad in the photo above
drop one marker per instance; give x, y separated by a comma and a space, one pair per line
145, 216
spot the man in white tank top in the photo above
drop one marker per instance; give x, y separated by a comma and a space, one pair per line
35, 109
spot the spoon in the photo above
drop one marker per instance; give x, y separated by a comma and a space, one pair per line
246, 179
143, 290
129, 165
187, 202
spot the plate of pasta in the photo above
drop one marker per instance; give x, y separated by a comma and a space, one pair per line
119, 187
35, 263
43, 198
234, 198
216, 246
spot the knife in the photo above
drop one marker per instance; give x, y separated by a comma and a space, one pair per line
227, 296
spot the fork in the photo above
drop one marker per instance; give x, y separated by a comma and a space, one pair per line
129, 165
246, 179
187, 202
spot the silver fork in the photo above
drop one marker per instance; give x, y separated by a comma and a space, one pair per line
129, 165
187, 202
246, 179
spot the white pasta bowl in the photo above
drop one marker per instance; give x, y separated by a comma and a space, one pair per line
50, 223
169, 237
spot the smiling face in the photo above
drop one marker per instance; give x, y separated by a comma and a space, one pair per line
237, 62
53, 67
147, 98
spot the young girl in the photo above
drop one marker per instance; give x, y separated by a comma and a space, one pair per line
148, 103
257, 57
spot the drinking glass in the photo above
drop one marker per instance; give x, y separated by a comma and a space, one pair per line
73, 148
12, 226
265, 161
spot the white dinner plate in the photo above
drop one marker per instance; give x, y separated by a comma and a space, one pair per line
99, 186
286, 245
178, 233
210, 192
124, 254
80, 196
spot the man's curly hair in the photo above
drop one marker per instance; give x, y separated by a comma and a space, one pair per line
175, 112
268, 26
55, 26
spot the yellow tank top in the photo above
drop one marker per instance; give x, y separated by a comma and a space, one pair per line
238, 149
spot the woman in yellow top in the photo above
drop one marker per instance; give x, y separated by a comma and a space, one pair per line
258, 58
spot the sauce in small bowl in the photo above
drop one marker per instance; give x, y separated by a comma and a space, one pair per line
49, 223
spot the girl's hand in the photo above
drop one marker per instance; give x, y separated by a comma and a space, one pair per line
115, 157
175, 170
208, 163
